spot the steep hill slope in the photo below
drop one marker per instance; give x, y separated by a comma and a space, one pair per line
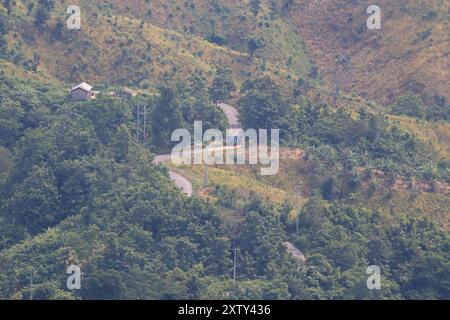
79, 184
411, 52
127, 43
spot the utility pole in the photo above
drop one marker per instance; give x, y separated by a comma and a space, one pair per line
298, 191
138, 123
145, 123
298, 214
206, 175
337, 89
235, 262
4, 242
31, 283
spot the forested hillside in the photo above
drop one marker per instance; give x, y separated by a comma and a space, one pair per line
365, 161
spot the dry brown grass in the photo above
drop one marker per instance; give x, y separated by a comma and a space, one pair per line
385, 63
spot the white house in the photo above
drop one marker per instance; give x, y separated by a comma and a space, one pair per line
81, 92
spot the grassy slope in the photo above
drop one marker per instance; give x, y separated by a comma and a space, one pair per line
172, 48
385, 63
123, 43
230, 19
278, 189
165, 37
435, 135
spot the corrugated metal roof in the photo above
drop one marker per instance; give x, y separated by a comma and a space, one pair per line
84, 86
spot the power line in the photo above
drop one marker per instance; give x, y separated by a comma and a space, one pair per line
235, 250
141, 110
145, 122
206, 175
31, 278
138, 123
298, 191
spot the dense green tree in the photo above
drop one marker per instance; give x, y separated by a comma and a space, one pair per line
409, 106
255, 6
4, 22
107, 115
438, 113
288, 6
262, 106
254, 43
11, 116
34, 204
167, 117
4, 30
329, 188
43, 11
222, 87
74, 186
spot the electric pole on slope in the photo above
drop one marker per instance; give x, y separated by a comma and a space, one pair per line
4, 242
138, 123
235, 250
30, 277
298, 191
145, 123
141, 110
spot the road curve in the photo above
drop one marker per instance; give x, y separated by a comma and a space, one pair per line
180, 181
161, 158
185, 185
297, 254
234, 123
232, 115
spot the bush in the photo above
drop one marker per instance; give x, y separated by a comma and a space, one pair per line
217, 39
409, 106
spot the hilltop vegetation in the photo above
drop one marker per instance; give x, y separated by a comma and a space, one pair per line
153, 41
78, 185
127, 42
409, 54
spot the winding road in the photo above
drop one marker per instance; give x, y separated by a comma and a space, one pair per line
180, 181
232, 115
185, 185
